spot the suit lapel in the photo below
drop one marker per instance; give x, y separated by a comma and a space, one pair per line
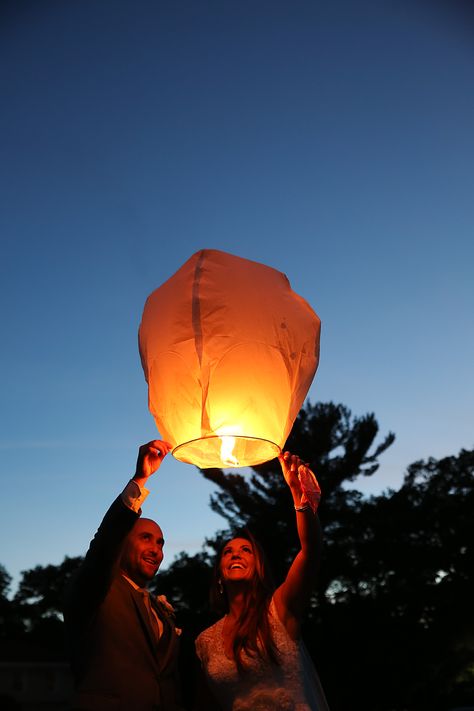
163, 650
142, 613
167, 643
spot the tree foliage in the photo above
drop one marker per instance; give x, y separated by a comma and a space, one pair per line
11, 623
35, 613
5, 581
397, 618
41, 590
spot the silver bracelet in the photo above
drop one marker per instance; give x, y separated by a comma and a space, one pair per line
304, 507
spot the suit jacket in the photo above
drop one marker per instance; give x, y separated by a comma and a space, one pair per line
116, 661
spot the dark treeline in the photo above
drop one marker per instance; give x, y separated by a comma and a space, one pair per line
391, 623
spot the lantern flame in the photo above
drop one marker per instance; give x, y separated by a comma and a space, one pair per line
227, 449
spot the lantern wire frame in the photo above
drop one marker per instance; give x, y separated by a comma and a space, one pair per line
223, 451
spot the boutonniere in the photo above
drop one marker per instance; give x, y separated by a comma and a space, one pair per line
168, 610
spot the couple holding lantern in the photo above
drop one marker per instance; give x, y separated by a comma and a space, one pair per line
229, 352
124, 643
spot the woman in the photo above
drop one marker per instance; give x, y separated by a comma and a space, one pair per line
253, 658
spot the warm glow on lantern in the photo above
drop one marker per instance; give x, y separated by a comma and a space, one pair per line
229, 352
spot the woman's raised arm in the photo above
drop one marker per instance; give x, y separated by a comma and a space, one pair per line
292, 597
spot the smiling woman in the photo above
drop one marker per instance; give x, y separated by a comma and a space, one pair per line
238, 560
253, 657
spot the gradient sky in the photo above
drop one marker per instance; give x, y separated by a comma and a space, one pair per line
333, 141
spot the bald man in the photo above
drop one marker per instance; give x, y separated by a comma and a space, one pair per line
123, 641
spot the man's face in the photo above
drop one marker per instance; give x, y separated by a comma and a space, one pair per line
143, 551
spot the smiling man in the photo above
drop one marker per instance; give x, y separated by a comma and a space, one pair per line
123, 641
143, 551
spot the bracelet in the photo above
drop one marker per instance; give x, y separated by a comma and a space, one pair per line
305, 507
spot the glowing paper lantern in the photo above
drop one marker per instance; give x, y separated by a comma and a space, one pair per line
229, 352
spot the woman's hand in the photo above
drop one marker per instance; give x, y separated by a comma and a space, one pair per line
289, 465
301, 480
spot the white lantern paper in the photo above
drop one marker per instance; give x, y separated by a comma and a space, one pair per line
229, 352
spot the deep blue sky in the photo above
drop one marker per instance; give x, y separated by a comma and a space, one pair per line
332, 141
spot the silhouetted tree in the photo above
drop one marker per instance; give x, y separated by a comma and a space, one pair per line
396, 619
173, 582
410, 574
39, 601
5, 581
11, 624
41, 589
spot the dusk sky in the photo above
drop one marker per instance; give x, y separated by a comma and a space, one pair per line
332, 141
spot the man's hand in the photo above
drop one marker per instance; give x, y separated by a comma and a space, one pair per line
150, 456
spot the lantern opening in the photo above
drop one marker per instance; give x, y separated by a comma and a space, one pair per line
226, 451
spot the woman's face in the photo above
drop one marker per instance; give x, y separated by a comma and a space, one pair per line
237, 560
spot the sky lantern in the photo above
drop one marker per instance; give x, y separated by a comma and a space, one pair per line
229, 352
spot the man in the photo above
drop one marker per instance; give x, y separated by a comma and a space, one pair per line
123, 642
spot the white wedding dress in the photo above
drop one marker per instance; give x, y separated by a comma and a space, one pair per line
292, 686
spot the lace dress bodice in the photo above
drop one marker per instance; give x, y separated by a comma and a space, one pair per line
293, 685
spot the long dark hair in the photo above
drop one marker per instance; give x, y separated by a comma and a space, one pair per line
253, 634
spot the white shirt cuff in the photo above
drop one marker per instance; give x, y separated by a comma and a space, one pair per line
133, 496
